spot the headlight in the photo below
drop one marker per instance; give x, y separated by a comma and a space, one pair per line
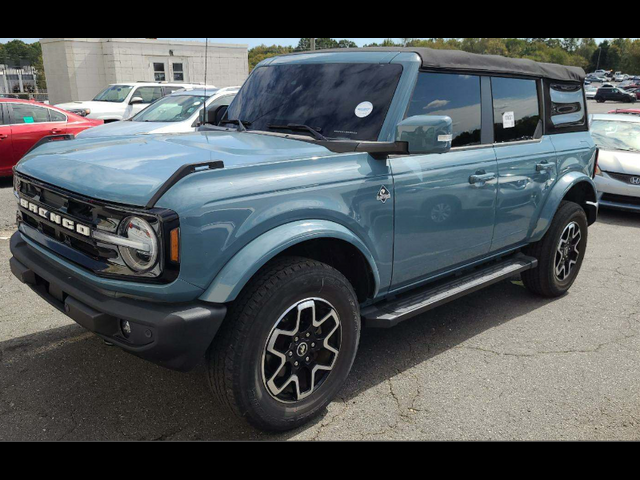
142, 254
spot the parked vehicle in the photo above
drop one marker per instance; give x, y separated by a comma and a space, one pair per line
620, 77
614, 95
124, 100
179, 112
618, 173
340, 189
590, 92
625, 111
24, 123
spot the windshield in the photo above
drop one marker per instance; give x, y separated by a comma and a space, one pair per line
171, 109
339, 101
114, 93
613, 135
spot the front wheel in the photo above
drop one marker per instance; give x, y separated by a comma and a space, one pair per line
288, 344
560, 253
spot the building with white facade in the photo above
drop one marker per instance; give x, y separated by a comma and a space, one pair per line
79, 68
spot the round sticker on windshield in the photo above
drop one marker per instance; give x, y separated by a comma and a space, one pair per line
364, 109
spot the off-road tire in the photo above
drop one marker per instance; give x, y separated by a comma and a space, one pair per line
235, 358
543, 280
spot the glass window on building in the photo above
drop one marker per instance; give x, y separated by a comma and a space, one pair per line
178, 72
158, 72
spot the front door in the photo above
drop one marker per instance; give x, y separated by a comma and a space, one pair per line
30, 123
148, 96
444, 204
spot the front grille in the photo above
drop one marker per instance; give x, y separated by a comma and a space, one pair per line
629, 179
609, 197
97, 256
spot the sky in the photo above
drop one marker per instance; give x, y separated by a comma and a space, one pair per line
253, 42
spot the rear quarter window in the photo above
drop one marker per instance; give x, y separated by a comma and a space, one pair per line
567, 105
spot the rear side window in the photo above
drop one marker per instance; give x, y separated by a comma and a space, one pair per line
516, 109
23, 113
2, 122
57, 116
456, 96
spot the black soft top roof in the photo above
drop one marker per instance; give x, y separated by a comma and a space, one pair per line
472, 62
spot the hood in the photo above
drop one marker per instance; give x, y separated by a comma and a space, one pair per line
129, 170
126, 128
79, 104
619, 162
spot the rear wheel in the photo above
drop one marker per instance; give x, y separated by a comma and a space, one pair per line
560, 252
288, 344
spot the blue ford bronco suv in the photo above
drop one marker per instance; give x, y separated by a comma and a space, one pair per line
340, 189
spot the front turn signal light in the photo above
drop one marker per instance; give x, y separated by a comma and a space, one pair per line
174, 245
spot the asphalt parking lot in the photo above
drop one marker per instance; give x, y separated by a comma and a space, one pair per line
500, 364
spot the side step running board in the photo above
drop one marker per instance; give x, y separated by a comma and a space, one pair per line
390, 313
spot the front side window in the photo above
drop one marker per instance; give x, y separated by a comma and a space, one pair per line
516, 109
158, 72
340, 101
113, 93
148, 94
455, 96
171, 109
614, 135
23, 113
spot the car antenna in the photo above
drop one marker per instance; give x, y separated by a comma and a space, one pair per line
206, 57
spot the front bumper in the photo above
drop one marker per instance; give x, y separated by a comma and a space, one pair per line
173, 335
613, 193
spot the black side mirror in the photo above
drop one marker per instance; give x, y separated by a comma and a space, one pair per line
215, 115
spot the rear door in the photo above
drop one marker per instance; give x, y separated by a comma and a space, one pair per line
29, 124
526, 159
6, 151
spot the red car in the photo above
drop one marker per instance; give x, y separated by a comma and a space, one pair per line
23, 123
627, 111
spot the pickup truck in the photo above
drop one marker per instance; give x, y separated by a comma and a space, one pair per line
339, 190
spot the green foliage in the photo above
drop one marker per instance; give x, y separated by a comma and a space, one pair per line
16, 53
262, 52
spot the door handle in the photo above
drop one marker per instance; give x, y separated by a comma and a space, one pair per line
480, 179
544, 167
2, 136
55, 131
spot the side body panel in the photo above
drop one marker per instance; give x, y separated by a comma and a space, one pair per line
7, 160
576, 153
441, 218
223, 211
527, 172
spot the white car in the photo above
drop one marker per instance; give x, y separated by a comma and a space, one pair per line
618, 174
176, 113
590, 91
123, 100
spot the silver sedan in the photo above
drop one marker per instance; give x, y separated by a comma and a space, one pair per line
618, 172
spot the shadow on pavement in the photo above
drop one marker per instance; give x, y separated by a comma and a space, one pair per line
66, 384
6, 182
619, 218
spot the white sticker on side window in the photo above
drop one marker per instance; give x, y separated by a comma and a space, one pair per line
364, 109
508, 120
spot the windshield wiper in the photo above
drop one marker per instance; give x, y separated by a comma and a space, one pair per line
300, 128
242, 124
